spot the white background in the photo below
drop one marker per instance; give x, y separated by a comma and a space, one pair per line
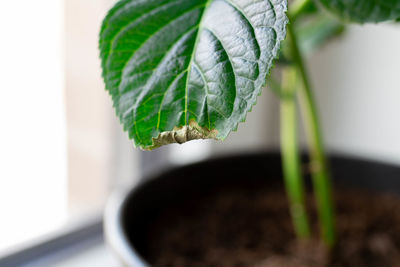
33, 173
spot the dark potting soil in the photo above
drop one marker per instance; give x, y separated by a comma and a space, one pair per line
249, 225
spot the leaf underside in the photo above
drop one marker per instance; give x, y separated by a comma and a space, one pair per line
179, 70
364, 11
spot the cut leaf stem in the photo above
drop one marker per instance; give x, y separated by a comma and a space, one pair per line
291, 162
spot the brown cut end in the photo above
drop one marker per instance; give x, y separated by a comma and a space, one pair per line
183, 134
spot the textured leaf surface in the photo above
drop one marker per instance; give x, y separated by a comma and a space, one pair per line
179, 70
364, 10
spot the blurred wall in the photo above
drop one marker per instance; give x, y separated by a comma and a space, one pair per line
99, 153
357, 82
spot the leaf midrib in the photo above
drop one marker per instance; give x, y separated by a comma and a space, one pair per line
196, 42
138, 48
160, 62
201, 27
207, 91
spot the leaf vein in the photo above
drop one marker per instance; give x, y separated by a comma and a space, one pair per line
205, 105
165, 93
140, 98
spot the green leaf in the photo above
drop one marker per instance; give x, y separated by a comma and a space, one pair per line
313, 32
364, 10
301, 8
316, 32
179, 70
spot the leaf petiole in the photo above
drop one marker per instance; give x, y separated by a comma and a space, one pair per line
320, 172
291, 161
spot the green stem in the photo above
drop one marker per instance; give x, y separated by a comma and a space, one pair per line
297, 8
290, 155
320, 173
276, 87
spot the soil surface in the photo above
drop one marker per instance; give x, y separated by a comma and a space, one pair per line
249, 225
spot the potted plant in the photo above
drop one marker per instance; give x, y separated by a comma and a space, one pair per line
180, 70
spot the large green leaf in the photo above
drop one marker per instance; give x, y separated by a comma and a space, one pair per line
179, 70
364, 10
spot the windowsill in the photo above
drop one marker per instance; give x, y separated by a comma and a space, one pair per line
82, 243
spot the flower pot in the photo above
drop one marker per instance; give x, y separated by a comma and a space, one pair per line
133, 219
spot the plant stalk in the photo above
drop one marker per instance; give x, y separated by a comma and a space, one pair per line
297, 8
319, 166
291, 161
